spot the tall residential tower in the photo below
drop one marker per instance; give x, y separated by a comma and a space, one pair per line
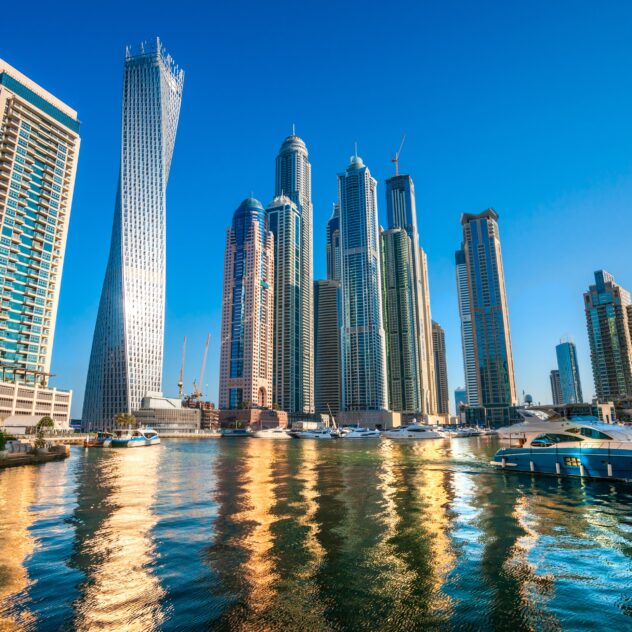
441, 369
467, 331
127, 348
570, 384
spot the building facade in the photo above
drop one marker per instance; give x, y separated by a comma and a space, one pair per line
167, 415
294, 316
568, 368
363, 344
467, 330
39, 148
490, 315
127, 348
556, 388
400, 323
327, 360
441, 369
246, 360
19, 399
609, 322
401, 212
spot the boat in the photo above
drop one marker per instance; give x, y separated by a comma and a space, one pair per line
568, 447
234, 433
319, 433
413, 431
359, 432
138, 438
271, 433
101, 440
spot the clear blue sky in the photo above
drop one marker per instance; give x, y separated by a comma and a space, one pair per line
525, 107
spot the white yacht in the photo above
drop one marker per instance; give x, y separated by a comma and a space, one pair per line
320, 433
272, 433
358, 432
413, 431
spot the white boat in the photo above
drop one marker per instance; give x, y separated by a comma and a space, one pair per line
359, 432
138, 438
413, 431
322, 433
272, 433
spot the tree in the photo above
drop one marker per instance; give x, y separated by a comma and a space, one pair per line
125, 420
42, 424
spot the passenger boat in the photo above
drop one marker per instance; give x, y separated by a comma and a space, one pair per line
359, 432
101, 440
138, 438
413, 431
586, 448
271, 433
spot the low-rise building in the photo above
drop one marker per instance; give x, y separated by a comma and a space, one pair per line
167, 415
20, 399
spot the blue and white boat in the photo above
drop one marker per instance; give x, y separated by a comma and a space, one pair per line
137, 438
577, 447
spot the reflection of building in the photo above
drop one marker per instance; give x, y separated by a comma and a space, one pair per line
21, 400
247, 310
363, 345
556, 387
167, 415
127, 348
441, 369
327, 321
39, 147
490, 316
609, 321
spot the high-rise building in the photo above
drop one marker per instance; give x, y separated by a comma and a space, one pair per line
333, 244
556, 388
400, 321
460, 398
401, 212
363, 345
441, 369
39, 147
568, 367
609, 322
467, 331
490, 316
294, 316
127, 348
327, 361
245, 374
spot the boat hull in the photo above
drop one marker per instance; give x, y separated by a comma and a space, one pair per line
262, 434
597, 462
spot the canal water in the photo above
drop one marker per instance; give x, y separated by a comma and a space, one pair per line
245, 534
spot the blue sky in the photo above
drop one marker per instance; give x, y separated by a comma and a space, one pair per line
524, 107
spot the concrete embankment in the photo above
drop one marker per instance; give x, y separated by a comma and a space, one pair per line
57, 453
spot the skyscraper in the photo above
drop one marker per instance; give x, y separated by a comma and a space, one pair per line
127, 348
327, 361
294, 316
400, 321
490, 316
401, 212
609, 322
441, 369
39, 147
467, 331
363, 345
333, 244
556, 388
570, 384
245, 374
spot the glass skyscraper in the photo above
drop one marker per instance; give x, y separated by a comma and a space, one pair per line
441, 369
127, 348
401, 212
290, 220
570, 384
333, 244
39, 147
400, 322
363, 345
609, 322
245, 374
556, 388
490, 316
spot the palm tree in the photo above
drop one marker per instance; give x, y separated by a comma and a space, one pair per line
125, 420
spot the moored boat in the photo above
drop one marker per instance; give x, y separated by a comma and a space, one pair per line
359, 432
320, 433
136, 438
236, 432
413, 431
101, 440
271, 433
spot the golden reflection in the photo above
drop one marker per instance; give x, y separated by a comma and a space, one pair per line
121, 592
17, 493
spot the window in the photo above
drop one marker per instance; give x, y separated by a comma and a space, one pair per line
547, 440
592, 433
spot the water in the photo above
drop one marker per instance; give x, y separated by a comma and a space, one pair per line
248, 534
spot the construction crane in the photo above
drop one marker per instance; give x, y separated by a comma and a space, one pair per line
197, 393
396, 159
181, 380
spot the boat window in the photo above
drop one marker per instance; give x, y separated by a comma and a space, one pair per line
549, 439
592, 433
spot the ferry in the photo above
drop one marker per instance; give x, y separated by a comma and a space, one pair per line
582, 447
138, 438
101, 440
413, 431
